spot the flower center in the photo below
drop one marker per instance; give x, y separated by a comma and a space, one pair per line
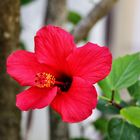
66, 80
44, 79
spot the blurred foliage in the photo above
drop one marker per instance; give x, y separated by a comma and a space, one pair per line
74, 17
86, 38
101, 124
79, 139
106, 107
119, 129
22, 46
23, 2
125, 74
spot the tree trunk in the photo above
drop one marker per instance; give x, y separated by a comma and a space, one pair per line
9, 41
56, 14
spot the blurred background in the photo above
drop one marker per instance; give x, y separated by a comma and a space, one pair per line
119, 29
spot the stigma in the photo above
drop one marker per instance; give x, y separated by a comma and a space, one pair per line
44, 80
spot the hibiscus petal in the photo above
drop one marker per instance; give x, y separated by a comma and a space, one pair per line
90, 62
53, 45
23, 66
76, 104
35, 98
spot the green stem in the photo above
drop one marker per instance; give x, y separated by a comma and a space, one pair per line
113, 102
113, 95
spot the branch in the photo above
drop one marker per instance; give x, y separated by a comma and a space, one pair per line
99, 11
116, 105
56, 12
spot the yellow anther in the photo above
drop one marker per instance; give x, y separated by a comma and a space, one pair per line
44, 79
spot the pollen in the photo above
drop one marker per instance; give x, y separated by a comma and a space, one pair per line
44, 79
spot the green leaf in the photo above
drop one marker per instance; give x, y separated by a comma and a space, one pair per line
125, 72
23, 2
132, 115
74, 17
134, 90
118, 129
105, 107
105, 86
101, 124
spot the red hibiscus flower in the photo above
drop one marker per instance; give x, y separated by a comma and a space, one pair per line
59, 74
